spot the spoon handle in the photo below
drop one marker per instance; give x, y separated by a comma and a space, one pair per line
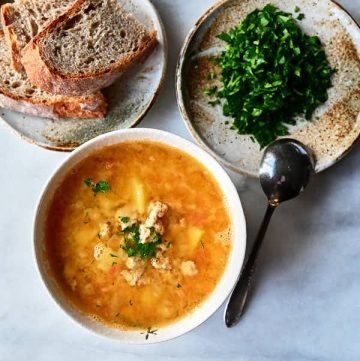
237, 301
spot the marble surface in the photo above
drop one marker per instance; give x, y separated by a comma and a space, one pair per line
306, 302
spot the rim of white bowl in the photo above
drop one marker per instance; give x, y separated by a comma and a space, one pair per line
236, 258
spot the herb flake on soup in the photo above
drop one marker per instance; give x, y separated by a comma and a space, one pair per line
138, 235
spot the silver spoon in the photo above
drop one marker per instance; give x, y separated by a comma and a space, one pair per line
285, 171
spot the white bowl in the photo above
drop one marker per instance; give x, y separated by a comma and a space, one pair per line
232, 270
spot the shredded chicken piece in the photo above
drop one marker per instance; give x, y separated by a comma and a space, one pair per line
156, 211
135, 273
134, 277
161, 263
188, 268
105, 231
99, 250
133, 262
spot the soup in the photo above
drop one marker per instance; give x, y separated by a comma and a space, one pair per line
138, 235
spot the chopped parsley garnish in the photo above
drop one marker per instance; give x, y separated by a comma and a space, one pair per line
131, 252
113, 255
271, 72
297, 9
101, 186
132, 243
149, 332
124, 219
301, 16
211, 91
88, 182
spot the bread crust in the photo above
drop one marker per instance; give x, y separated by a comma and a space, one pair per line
93, 106
47, 78
5, 15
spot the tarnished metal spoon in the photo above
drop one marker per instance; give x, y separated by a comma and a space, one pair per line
285, 171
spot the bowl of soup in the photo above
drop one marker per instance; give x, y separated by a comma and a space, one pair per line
139, 235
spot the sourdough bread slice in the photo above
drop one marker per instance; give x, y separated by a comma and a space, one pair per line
86, 48
17, 93
23, 19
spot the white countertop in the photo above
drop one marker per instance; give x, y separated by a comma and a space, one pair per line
306, 301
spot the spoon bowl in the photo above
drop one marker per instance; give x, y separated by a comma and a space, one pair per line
285, 170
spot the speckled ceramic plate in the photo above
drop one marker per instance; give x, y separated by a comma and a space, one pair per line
129, 98
335, 125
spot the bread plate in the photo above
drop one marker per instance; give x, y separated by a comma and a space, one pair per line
335, 126
129, 98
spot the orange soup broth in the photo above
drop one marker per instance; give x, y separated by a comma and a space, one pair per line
195, 203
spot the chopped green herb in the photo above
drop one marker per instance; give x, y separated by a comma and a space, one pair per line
114, 263
271, 73
99, 235
297, 9
301, 16
124, 219
132, 243
101, 186
211, 76
113, 255
211, 91
88, 182
215, 102
178, 285
168, 245
148, 332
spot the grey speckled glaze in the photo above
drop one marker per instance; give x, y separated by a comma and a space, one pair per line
335, 126
129, 98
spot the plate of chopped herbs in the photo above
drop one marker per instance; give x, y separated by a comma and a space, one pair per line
253, 71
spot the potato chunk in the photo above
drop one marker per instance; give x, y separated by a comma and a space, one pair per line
139, 195
188, 241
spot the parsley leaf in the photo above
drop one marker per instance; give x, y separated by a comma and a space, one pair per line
101, 186
88, 182
301, 16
